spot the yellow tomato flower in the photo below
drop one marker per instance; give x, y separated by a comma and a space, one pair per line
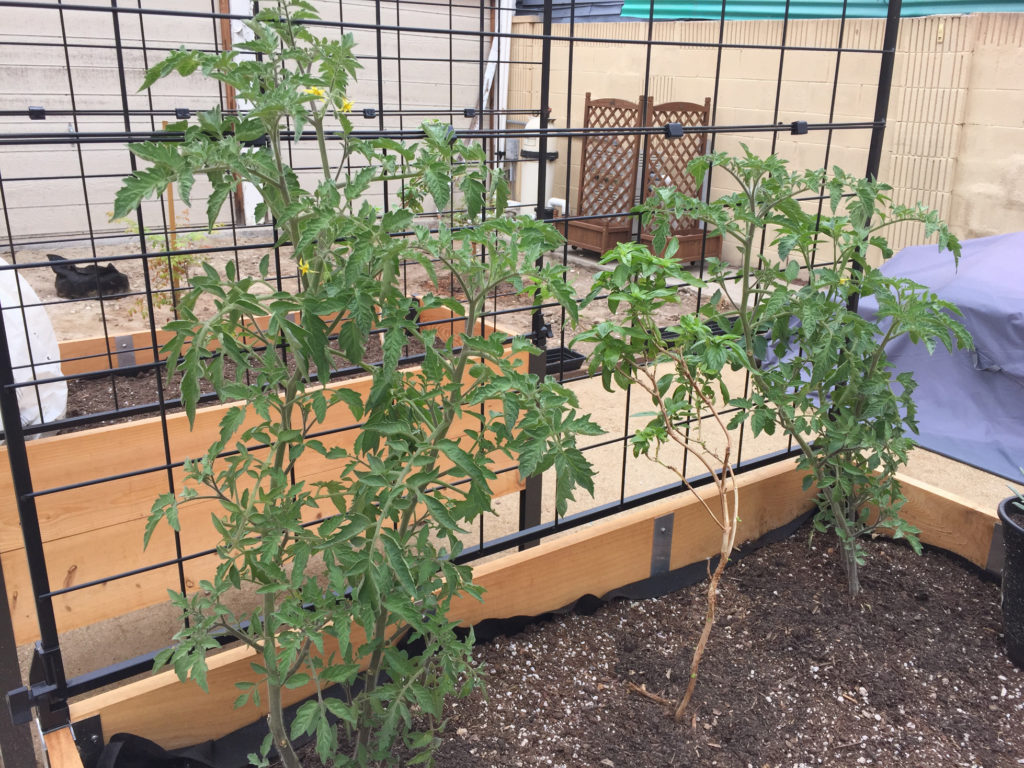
314, 91
303, 266
346, 106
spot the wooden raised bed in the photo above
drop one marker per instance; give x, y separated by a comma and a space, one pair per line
594, 560
94, 531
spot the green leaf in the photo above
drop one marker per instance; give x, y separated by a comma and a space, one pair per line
210, 122
222, 187
305, 719
297, 680
397, 560
341, 710
438, 181
397, 220
165, 507
326, 739
148, 182
230, 423
792, 271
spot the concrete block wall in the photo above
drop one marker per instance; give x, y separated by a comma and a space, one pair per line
429, 68
955, 138
955, 134
988, 187
36, 69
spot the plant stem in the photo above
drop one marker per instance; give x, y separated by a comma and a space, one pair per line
847, 544
275, 710
372, 673
728, 539
851, 567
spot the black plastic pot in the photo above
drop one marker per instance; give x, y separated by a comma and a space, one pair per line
1011, 514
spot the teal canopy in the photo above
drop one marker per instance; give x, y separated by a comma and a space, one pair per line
806, 9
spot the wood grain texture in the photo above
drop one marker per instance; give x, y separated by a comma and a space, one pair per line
101, 353
60, 749
949, 521
612, 553
96, 530
593, 560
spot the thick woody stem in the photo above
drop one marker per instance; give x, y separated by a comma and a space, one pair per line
728, 541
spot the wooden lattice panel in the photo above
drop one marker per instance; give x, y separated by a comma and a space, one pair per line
667, 158
609, 161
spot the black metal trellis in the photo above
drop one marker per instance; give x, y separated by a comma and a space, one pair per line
27, 126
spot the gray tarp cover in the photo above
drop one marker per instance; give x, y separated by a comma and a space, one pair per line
970, 404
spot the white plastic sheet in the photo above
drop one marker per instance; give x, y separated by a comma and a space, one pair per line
34, 351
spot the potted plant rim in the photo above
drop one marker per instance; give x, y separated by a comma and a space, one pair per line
1011, 515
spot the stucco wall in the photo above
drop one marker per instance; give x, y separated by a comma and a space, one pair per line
988, 187
955, 135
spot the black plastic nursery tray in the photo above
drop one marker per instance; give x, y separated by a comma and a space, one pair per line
561, 360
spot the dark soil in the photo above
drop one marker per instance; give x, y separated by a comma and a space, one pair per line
911, 673
114, 392
1015, 512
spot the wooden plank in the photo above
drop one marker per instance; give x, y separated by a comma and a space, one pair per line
102, 353
86, 557
95, 531
610, 554
593, 560
137, 446
99, 553
150, 704
949, 521
60, 749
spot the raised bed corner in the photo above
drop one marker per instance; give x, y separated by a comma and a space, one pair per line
95, 489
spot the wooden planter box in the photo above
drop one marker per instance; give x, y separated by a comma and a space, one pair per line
690, 246
593, 236
96, 530
597, 236
595, 560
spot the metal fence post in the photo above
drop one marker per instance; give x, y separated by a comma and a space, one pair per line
890, 38
53, 703
531, 497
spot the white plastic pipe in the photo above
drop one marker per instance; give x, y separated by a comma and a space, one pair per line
529, 209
